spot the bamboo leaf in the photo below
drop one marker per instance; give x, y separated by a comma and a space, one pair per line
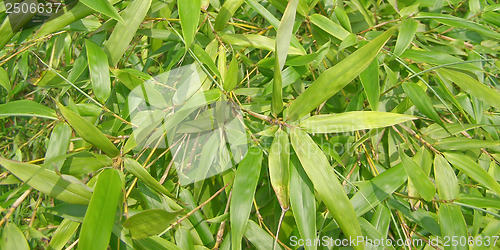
88, 131
58, 145
231, 78
104, 7
407, 32
473, 87
4, 80
245, 182
473, 170
329, 26
189, 13
446, 180
337, 77
256, 41
279, 167
370, 80
13, 238
149, 222
418, 96
63, 234
302, 201
136, 169
352, 121
48, 182
378, 189
99, 72
124, 32
417, 176
259, 238
226, 12
452, 224
459, 22
326, 183
100, 215
461, 143
27, 108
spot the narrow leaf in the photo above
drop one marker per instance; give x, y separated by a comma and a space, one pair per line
27, 108
13, 238
337, 77
123, 33
88, 131
149, 222
48, 182
452, 224
423, 103
189, 13
99, 72
104, 7
326, 183
370, 80
279, 165
407, 32
473, 170
226, 12
100, 215
58, 145
245, 182
352, 121
417, 176
446, 180
136, 169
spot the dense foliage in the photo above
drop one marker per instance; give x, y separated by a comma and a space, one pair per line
195, 124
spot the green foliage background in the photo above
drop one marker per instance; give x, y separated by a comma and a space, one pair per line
364, 118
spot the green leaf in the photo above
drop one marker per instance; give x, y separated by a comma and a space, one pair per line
352, 121
370, 80
189, 13
256, 41
423, 103
329, 26
123, 33
245, 182
84, 163
184, 239
13, 238
63, 234
472, 86
88, 131
226, 12
462, 143
279, 167
258, 237
326, 184
136, 169
459, 22
14, 22
100, 215
197, 218
231, 78
407, 32
446, 180
473, 170
335, 78
48, 182
452, 224
478, 201
99, 72
104, 7
302, 201
27, 108
58, 145
283, 37
376, 190
4, 80
419, 179
149, 222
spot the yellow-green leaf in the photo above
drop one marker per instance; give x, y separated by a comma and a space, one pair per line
335, 78
279, 167
88, 131
189, 13
326, 183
